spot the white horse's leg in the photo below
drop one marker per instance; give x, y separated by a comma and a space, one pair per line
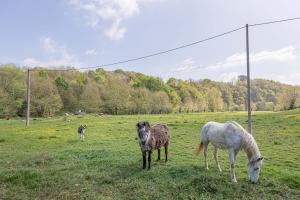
235, 154
216, 158
205, 155
232, 160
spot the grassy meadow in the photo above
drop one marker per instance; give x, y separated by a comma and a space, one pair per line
47, 160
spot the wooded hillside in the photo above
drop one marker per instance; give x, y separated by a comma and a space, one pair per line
122, 92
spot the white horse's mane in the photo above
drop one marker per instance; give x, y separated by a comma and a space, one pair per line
239, 126
250, 145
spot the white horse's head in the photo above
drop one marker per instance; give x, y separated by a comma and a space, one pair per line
254, 168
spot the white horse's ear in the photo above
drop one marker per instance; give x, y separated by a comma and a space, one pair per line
259, 159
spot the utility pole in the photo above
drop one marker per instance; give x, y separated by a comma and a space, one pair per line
248, 82
28, 99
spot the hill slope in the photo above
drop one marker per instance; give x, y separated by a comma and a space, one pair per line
122, 92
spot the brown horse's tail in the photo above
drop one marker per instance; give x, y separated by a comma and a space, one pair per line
199, 149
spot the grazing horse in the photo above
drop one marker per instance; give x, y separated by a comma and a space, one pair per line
233, 137
81, 130
152, 138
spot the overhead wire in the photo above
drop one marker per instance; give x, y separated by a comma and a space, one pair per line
177, 48
170, 50
275, 21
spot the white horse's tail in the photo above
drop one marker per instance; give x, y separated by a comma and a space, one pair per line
199, 149
203, 138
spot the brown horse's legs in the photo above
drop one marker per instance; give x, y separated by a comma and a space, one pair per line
158, 154
149, 160
166, 153
144, 160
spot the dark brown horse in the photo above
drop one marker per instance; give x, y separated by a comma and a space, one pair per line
152, 138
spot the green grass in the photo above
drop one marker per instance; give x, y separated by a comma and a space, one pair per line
47, 160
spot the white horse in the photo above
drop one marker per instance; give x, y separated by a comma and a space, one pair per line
233, 137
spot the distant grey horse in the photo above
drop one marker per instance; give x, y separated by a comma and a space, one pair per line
81, 130
233, 137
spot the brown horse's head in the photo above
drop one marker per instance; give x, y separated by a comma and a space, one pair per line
143, 130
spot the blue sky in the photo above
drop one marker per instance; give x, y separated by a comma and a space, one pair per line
88, 33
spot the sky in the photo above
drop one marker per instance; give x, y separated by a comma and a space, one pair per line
90, 33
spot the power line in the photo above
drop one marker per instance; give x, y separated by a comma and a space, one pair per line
276, 21
170, 50
179, 47
194, 43
155, 54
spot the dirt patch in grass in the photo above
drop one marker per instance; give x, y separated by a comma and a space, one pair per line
42, 137
38, 160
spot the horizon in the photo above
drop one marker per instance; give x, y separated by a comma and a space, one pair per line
233, 81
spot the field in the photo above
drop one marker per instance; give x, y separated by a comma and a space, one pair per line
47, 160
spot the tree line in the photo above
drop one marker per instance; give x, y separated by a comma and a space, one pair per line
124, 92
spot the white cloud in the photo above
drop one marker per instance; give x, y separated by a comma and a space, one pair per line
289, 78
62, 61
115, 11
187, 65
58, 55
91, 52
281, 55
229, 77
30, 61
115, 32
49, 45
